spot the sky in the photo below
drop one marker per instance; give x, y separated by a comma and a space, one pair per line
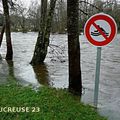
27, 2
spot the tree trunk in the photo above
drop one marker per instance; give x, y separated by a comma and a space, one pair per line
44, 33
23, 25
75, 82
1, 35
9, 54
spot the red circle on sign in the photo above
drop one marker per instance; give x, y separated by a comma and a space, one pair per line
92, 20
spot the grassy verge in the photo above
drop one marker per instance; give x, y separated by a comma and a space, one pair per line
46, 104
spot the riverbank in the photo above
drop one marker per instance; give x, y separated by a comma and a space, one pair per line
20, 103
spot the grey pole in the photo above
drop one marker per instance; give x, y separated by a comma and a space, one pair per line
97, 76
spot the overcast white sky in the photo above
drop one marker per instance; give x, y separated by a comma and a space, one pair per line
27, 2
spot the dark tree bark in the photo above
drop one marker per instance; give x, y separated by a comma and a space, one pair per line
9, 54
75, 82
44, 33
11, 70
1, 35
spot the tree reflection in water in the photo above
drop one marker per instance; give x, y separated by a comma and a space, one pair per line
11, 75
42, 74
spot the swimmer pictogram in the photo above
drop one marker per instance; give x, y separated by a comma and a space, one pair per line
97, 33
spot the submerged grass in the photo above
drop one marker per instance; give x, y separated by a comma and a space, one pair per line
53, 104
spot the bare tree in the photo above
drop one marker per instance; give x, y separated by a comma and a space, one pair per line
9, 55
60, 17
2, 33
44, 32
34, 16
22, 12
75, 81
18, 16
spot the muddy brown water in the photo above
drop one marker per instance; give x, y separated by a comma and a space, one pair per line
54, 71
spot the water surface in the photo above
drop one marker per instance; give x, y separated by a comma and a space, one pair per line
54, 71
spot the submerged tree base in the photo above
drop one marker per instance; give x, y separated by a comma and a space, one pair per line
42, 44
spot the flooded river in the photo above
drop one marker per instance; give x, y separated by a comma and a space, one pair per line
54, 71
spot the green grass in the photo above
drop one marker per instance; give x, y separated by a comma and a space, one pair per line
54, 104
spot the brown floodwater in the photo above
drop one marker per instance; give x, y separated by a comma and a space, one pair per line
54, 72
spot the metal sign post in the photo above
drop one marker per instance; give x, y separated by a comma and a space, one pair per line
97, 76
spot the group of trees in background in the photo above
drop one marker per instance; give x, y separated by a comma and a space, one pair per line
27, 18
88, 8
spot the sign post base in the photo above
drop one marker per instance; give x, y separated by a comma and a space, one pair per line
97, 76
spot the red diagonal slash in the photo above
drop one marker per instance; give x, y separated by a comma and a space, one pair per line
101, 32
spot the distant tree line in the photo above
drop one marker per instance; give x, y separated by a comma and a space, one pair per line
27, 19
90, 7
